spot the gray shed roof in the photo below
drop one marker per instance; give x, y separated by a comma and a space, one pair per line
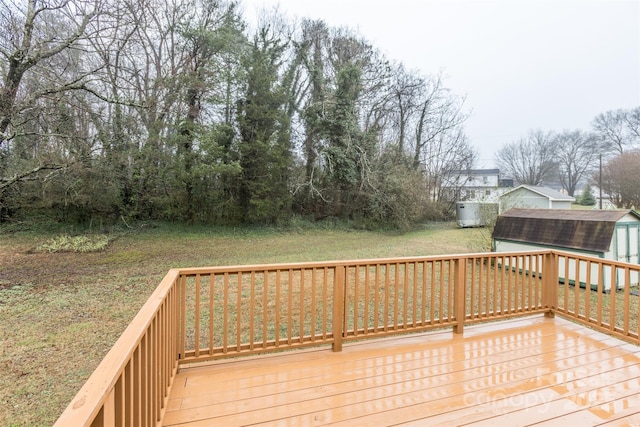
590, 230
543, 191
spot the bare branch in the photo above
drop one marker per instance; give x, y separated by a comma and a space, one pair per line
28, 175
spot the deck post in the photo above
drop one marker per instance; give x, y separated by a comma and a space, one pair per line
550, 283
459, 287
338, 307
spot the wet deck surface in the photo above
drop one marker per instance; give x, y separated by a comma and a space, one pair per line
515, 372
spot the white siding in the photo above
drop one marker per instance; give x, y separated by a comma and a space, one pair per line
575, 272
523, 198
560, 204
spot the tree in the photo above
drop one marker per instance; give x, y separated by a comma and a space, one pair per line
40, 45
620, 179
530, 160
212, 29
587, 198
617, 130
265, 151
169, 110
577, 154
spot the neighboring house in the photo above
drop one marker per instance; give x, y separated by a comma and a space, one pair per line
527, 196
608, 234
474, 184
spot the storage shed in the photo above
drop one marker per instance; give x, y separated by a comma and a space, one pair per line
526, 196
608, 234
475, 214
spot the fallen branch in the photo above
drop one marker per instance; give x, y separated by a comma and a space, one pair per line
7, 182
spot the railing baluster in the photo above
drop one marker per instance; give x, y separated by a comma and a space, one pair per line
405, 296
450, 291
183, 315
531, 282
472, 289
238, 314
627, 285
265, 307
366, 299
386, 298
414, 316
313, 307
196, 325
290, 309
442, 291
513, 264
325, 301
338, 307
356, 296
587, 293
576, 288
600, 290
376, 299
423, 307
225, 313
612, 298
212, 284
396, 295
301, 305
252, 305
278, 310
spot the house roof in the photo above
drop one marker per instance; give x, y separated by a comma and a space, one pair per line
590, 230
475, 172
543, 191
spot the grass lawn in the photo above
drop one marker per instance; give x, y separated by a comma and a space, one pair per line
61, 312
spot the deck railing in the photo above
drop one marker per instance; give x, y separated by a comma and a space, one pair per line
200, 314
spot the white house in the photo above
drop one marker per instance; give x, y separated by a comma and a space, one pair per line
475, 184
527, 196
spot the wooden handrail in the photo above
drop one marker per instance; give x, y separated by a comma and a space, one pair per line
106, 398
199, 314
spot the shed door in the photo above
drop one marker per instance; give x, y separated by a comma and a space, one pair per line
632, 234
627, 243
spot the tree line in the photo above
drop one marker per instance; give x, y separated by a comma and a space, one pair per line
607, 156
177, 110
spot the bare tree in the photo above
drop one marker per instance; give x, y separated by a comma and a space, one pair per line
446, 152
42, 45
620, 179
439, 114
577, 154
30, 39
632, 121
530, 160
613, 130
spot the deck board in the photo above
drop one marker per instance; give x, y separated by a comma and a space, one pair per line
516, 372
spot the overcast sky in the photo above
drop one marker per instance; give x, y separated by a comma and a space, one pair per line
522, 64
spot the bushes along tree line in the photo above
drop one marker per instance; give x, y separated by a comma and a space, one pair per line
176, 110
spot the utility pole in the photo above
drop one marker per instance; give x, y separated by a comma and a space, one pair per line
600, 182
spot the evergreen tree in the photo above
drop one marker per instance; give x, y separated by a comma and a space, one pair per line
265, 142
587, 198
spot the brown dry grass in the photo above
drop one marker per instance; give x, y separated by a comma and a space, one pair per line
61, 312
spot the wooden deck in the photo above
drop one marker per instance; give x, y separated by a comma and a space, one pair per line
516, 372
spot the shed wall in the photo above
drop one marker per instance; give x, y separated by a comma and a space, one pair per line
574, 273
523, 198
560, 204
